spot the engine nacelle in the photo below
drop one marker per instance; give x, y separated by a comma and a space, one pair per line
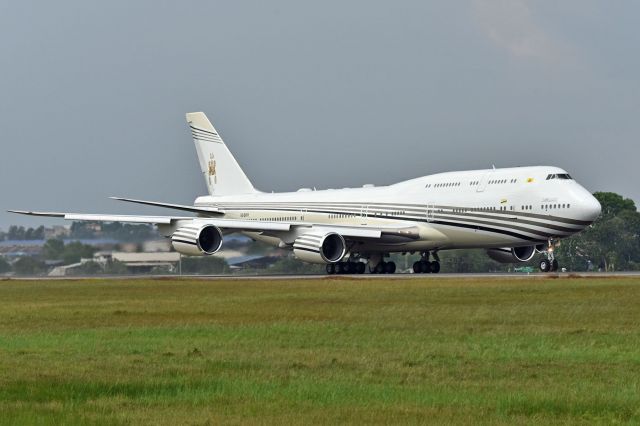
512, 255
320, 247
197, 240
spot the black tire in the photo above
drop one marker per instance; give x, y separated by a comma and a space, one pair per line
426, 266
349, 268
554, 265
545, 265
417, 267
379, 268
340, 269
360, 267
435, 267
390, 268
331, 268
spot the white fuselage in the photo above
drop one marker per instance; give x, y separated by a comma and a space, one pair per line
508, 207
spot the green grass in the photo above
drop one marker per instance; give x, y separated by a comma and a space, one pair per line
482, 351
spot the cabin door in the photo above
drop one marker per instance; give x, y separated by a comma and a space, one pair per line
483, 181
364, 210
429, 211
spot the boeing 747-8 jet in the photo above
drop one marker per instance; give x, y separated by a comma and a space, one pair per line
513, 213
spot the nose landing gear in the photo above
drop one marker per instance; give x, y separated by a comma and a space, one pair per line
550, 264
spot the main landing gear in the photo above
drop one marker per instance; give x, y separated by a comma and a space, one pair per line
550, 264
357, 266
423, 266
349, 267
377, 265
384, 268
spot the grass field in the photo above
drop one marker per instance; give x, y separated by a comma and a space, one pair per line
492, 351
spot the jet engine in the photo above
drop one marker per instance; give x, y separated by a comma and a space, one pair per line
197, 240
512, 255
320, 247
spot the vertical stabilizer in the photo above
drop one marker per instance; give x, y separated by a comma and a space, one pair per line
221, 171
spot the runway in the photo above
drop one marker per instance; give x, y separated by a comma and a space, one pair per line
391, 277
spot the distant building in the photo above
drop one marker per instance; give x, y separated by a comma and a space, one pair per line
143, 262
129, 247
153, 246
57, 231
136, 263
253, 262
63, 270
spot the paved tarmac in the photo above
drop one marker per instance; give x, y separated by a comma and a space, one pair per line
350, 276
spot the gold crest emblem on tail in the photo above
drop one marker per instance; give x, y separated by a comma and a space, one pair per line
212, 169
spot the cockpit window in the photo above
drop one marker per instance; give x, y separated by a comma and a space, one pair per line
565, 176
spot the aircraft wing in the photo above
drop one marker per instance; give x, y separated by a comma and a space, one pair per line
353, 232
101, 217
231, 224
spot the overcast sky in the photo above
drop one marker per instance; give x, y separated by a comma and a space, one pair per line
324, 94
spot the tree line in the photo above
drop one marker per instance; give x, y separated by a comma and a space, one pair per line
125, 232
611, 243
21, 233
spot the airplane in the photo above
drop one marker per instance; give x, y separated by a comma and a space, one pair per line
512, 213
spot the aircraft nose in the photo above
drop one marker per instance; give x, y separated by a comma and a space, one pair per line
591, 208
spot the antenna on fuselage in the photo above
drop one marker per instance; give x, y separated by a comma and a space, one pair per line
494, 166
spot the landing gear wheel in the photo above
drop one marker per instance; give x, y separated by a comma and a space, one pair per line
554, 265
545, 265
349, 267
331, 268
425, 266
417, 267
340, 268
435, 267
389, 268
360, 268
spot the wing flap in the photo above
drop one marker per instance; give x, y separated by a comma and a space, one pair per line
192, 209
246, 225
352, 231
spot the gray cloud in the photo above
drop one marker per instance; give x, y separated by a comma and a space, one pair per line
510, 24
